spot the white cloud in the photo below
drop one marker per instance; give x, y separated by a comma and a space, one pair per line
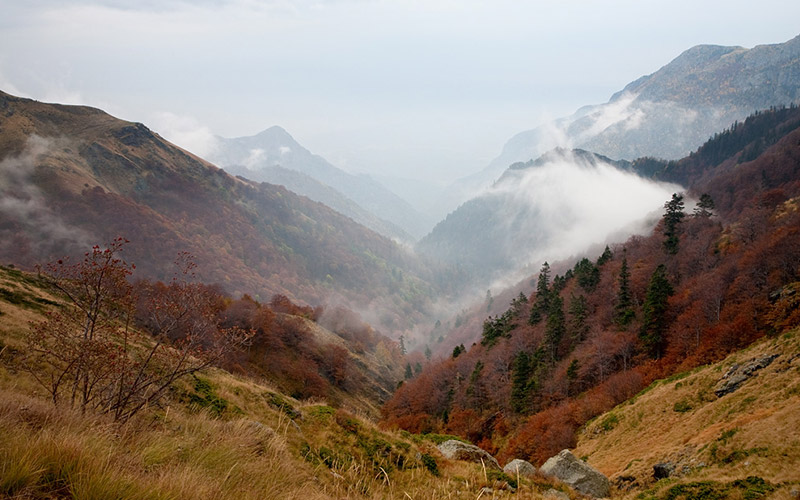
254, 158
186, 132
567, 205
23, 202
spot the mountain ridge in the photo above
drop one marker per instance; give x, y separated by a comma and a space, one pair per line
700, 92
253, 157
75, 176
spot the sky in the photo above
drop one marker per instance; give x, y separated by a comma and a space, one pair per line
422, 89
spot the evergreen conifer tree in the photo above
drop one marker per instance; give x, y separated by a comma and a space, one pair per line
519, 382
579, 312
604, 257
555, 328
672, 218
654, 311
704, 206
623, 309
542, 301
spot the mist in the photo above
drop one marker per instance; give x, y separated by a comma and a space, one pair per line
24, 204
558, 207
577, 204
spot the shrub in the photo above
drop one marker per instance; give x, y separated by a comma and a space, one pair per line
430, 463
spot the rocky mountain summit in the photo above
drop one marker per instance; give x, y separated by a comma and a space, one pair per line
702, 91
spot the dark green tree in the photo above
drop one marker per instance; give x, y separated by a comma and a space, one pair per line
654, 312
518, 304
704, 207
519, 382
604, 257
587, 274
579, 313
543, 283
475, 391
559, 282
555, 327
409, 373
495, 328
572, 376
403, 346
458, 351
672, 219
623, 309
428, 353
542, 302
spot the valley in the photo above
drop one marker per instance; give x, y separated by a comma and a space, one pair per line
260, 323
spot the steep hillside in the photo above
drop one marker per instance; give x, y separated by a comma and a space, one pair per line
701, 441
74, 176
584, 336
309, 187
699, 93
256, 156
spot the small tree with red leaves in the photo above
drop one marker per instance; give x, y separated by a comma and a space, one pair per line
87, 355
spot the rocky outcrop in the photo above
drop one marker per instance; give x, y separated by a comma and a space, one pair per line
739, 374
663, 470
457, 450
579, 475
519, 467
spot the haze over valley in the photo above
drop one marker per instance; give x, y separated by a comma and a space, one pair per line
399, 250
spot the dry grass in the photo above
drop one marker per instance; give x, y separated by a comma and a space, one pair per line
751, 432
48, 452
250, 442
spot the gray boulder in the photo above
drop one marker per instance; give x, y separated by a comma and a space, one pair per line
456, 450
739, 374
521, 467
579, 475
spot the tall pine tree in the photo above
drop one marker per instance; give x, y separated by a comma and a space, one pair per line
623, 309
704, 206
654, 311
542, 302
555, 328
579, 313
519, 382
672, 218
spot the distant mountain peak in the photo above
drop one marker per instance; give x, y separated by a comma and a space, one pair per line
275, 131
255, 157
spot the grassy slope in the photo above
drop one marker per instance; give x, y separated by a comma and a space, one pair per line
241, 439
750, 432
218, 436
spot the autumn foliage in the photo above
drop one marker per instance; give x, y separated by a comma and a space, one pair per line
728, 275
88, 355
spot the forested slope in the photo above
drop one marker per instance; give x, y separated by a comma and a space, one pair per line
715, 275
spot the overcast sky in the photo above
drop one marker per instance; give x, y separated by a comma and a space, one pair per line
428, 89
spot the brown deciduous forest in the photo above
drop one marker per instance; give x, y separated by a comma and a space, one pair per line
720, 270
